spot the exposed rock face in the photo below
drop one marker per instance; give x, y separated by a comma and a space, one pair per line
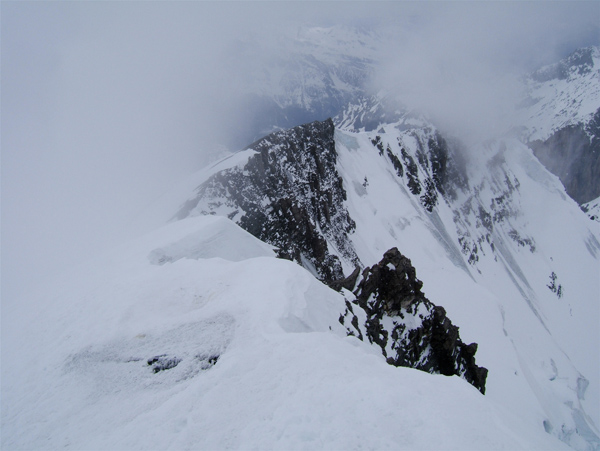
289, 195
391, 311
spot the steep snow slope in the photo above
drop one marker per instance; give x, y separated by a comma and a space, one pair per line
220, 345
512, 215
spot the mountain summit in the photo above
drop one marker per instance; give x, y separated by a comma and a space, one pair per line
359, 280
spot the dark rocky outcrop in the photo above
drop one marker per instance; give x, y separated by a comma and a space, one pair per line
348, 283
410, 330
289, 194
163, 362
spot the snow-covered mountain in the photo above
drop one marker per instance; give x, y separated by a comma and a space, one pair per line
322, 70
562, 94
197, 336
561, 120
362, 281
303, 76
315, 72
482, 235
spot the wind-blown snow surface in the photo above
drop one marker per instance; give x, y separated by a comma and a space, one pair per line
257, 360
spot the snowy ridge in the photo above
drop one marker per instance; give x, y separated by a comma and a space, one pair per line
291, 196
242, 366
368, 113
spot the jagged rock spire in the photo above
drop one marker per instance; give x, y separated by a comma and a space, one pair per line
422, 336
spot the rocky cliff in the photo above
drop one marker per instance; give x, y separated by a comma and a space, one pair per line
290, 195
390, 311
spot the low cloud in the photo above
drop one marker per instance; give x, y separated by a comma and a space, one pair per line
461, 62
106, 104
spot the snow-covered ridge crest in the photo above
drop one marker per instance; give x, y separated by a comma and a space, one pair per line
213, 353
200, 311
368, 113
580, 62
291, 195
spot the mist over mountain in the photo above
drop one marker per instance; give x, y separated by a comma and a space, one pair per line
144, 95
383, 230
562, 121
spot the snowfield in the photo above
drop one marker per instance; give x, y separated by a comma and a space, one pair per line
222, 348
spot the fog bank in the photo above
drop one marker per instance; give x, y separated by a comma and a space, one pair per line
105, 105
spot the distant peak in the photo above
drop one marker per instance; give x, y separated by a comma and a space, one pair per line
582, 61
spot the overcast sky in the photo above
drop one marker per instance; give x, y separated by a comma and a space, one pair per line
105, 105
